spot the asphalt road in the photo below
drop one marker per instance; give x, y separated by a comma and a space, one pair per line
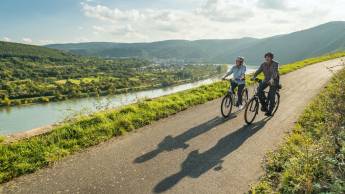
195, 151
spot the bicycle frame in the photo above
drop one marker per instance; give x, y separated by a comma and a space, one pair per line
234, 95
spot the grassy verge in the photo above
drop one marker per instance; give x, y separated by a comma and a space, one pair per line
2, 139
28, 155
312, 160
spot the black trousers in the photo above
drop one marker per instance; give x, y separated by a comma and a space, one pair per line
270, 99
239, 91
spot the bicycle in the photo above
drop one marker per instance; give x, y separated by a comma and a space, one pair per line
252, 107
230, 99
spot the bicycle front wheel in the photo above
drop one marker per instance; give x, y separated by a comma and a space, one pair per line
251, 111
277, 101
245, 97
226, 106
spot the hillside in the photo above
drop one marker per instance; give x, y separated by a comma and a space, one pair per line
291, 47
8, 49
32, 74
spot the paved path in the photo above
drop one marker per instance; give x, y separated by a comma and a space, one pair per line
195, 151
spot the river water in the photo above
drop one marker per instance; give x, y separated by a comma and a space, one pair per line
23, 118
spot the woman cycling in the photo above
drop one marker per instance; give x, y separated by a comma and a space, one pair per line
238, 71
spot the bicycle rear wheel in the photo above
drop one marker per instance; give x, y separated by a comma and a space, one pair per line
277, 101
251, 111
226, 106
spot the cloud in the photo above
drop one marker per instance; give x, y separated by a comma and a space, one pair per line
273, 4
27, 40
138, 23
7, 39
225, 11
106, 14
212, 19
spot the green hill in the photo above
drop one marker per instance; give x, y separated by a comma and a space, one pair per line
8, 49
325, 38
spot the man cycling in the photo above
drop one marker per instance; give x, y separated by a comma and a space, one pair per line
238, 71
271, 74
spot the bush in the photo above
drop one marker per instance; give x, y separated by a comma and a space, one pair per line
6, 101
312, 158
43, 99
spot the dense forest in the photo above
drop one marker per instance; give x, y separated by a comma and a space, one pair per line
32, 74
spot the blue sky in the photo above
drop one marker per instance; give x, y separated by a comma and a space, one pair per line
59, 21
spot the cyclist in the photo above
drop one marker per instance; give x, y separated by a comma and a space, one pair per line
238, 71
271, 74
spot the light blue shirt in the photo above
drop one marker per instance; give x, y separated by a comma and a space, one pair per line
238, 73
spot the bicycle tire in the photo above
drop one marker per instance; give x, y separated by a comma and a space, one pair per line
277, 103
249, 107
245, 96
227, 101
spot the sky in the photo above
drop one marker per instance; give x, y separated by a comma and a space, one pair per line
62, 21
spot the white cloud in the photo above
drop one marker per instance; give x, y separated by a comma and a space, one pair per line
7, 39
27, 40
213, 19
226, 11
273, 4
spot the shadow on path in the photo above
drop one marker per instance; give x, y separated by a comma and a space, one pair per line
197, 163
170, 143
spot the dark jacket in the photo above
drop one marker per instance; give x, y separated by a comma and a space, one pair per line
270, 71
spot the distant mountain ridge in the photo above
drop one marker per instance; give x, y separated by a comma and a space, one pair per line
325, 38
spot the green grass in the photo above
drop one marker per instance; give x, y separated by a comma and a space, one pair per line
312, 159
26, 156
2, 139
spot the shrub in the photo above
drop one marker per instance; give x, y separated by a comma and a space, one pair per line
312, 158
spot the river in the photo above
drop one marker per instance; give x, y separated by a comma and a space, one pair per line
23, 118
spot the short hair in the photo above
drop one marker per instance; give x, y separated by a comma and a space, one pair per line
269, 54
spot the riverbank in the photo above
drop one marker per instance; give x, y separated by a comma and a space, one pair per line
312, 158
48, 99
38, 115
27, 156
